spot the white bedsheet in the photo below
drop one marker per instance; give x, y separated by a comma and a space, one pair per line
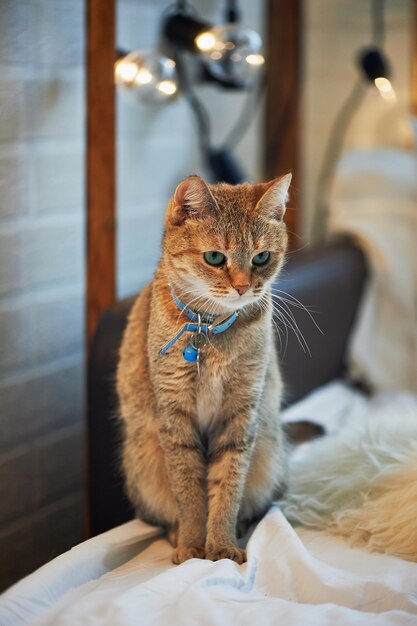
293, 576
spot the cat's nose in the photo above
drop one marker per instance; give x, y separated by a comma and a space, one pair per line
241, 289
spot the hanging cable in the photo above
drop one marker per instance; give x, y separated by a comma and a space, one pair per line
252, 103
197, 107
232, 13
219, 160
337, 135
378, 22
331, 159
181, 6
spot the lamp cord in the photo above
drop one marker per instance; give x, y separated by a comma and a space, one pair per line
232, 13
331, 159
338, 131
253, 101
378, 22
197, 107
201, 115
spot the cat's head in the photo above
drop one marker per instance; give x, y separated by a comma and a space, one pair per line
224, 244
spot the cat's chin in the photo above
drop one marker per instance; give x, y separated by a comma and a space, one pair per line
231, 304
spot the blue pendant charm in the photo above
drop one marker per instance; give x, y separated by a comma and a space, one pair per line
200, 326
190, 354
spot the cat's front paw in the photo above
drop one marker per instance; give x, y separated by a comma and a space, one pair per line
226, 552
183, 553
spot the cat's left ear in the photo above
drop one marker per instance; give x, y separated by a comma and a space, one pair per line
272, 203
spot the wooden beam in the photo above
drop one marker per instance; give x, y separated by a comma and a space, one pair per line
283, 95
101, 171
414, 61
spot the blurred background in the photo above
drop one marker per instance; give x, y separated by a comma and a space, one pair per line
340, 122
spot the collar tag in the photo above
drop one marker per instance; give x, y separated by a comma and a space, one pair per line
200, 325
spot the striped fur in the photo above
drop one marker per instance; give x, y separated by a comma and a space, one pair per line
202, 454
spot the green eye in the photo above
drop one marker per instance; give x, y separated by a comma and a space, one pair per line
261, 258
214, 258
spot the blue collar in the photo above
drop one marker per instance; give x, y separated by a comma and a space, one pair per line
192, 315
202, 324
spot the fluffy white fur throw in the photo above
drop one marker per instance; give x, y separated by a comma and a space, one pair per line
362, 482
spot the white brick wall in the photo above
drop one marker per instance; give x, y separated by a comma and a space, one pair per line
41, 280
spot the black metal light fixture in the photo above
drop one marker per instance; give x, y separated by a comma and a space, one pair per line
228, 55
376, 69
231, 52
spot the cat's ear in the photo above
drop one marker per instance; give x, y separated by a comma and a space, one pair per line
192, 200
272, 202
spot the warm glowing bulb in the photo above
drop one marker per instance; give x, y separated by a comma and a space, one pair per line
205, 41
391, 96
385, 88
144, 76
126, 71
383, 84
168, 87
147, 74
255, 59
232, 52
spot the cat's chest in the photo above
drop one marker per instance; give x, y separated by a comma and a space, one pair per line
209, 399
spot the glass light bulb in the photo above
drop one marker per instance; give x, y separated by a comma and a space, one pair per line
232, 52
255, 59
125, 71
205, 41
143, 76
168, 87
148, 74
385, 88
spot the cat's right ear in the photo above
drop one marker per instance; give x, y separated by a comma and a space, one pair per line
192, 200
272, 203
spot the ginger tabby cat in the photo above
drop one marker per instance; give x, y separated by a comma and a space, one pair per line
203, 447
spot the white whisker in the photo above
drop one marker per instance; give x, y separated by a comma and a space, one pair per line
264, 303
295, 302
292, 324
270, 304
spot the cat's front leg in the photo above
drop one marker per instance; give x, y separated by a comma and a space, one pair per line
230, 456
184, 460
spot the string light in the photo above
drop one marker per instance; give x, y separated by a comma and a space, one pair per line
149, 74
229, 55
376, 69
167, 87
231, 52
205, 42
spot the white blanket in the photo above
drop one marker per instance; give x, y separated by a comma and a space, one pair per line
375, 201
293, 576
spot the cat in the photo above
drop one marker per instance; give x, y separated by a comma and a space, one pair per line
203, 447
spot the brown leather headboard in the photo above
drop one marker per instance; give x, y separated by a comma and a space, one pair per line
327, 280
